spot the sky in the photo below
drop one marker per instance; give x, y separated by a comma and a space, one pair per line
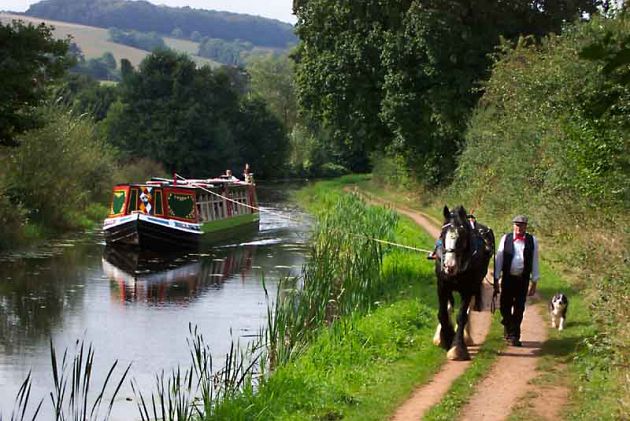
275, 9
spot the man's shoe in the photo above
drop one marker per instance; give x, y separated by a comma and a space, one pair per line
431, 256
515, 342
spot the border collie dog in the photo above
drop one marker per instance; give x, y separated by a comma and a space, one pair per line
558, 310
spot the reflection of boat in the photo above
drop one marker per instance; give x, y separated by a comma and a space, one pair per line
176, 213
155, 278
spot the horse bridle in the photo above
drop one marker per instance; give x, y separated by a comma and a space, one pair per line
452, 250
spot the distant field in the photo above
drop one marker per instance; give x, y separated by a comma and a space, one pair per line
94, 41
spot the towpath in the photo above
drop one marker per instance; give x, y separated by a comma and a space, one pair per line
508, 384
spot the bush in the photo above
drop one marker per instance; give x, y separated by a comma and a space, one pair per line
139, 170
12, 215
60, 170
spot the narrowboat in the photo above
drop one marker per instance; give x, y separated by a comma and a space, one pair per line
180, 213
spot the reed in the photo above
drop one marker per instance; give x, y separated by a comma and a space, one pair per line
195, 392
70, 401
72, 389
22, 402
342, 276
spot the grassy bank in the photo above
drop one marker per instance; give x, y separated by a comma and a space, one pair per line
588, 356
363, 365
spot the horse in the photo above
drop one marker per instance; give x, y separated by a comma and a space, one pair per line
463, 257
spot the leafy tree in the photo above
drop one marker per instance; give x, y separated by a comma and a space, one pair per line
261, 138
231, 53
272, 80
145, 41
402, 75
101, 68
85, 95
552, 125
191, 119
195, 36
31, 59
59, 170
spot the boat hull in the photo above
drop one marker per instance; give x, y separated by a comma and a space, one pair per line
149, 232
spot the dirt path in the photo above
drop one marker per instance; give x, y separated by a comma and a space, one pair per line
509, 379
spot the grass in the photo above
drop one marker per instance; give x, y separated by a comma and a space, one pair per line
363, 365
568, 361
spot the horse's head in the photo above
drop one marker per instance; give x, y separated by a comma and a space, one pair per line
456, 241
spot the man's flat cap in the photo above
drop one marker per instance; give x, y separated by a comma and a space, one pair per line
520, 219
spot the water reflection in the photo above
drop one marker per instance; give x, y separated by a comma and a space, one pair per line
157, 279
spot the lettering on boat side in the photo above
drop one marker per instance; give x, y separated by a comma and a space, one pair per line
187, 226
171, 223
118, 221
159, 221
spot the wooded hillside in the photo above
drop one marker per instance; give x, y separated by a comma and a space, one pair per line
188, 23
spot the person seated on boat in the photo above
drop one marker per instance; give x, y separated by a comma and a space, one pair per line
228, 176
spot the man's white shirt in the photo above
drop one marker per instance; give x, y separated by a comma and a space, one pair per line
518, 261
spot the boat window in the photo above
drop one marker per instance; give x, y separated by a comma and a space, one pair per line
133, 200
118, 202
158, 203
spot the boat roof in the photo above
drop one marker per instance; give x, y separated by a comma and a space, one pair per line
191, 183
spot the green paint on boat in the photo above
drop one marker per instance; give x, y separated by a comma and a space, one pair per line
181, 205
231, 222
118, 202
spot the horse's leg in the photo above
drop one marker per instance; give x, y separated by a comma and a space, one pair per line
468, 340
446, 328
438, 329
459, 351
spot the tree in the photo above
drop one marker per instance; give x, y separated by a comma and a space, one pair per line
261, 138
193, 120
30, 61
403, 75
272, 80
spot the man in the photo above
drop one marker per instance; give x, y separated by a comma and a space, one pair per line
517, 259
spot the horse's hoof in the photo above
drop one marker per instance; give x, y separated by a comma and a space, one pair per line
458, 354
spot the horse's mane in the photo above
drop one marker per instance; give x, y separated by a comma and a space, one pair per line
457, 215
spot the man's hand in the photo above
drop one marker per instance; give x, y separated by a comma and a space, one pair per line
532, 289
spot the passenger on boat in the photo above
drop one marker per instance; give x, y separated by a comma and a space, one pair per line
228, 176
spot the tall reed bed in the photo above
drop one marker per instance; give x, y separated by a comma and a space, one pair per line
342, 275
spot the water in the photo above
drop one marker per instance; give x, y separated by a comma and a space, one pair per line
136, 308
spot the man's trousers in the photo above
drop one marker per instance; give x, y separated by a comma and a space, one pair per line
512, 304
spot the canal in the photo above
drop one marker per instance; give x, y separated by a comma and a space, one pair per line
136, 307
